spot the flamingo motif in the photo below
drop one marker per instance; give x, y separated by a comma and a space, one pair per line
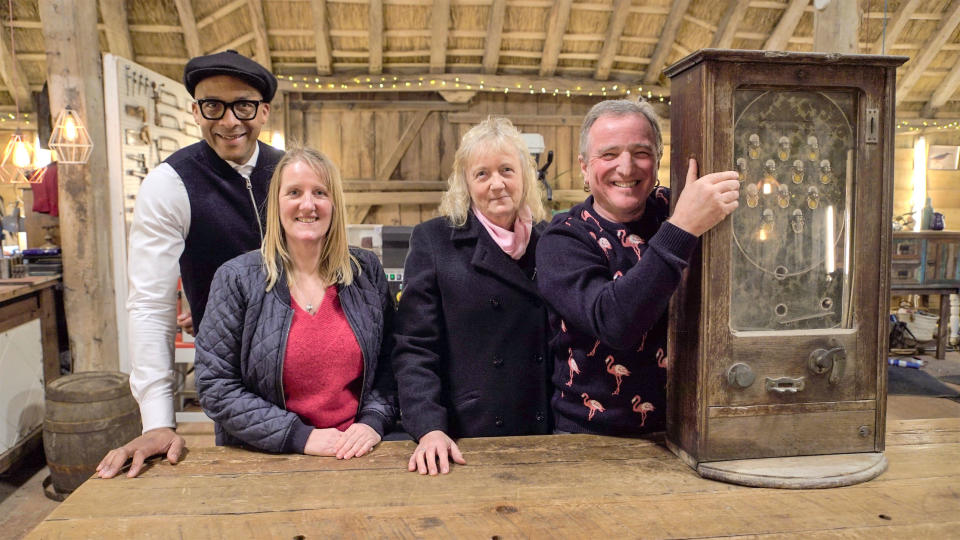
631, 241
661, 358
642, 342
574, 368
591, 404
563, 326
618, 274
662, 195
604, 244
593, 351
641, 408
618, 371
584, 215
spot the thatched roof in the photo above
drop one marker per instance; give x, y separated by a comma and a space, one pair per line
526, 44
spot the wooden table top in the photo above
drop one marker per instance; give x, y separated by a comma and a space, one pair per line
14, 287
567, 486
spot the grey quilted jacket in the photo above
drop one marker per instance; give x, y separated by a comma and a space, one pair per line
243, 339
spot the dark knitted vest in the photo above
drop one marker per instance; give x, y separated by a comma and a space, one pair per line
223, 223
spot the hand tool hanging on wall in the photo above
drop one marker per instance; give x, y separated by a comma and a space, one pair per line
136, 111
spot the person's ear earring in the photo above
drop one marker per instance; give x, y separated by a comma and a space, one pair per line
586, 187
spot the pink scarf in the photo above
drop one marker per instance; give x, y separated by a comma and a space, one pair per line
513, 243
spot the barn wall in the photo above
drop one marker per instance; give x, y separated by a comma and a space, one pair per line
360, 132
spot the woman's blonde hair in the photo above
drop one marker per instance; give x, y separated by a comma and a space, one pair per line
335, 259
494, 133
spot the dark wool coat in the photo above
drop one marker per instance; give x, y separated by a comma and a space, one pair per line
471, 356
243, 340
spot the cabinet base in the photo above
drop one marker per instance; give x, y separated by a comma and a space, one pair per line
801, 472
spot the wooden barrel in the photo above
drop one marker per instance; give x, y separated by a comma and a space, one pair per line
87, 415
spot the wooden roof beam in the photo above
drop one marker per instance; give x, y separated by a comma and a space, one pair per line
945, 90
13, 76
260, 33
556, 27
786, 25
188, 24
897, 24
236, 43
375, 39
321, 37
667, 37
491, 52
440, 30
421, 82
220, 13
929, 51
723, 38
114, 16
611, 42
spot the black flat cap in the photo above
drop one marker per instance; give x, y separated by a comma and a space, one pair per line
230, 63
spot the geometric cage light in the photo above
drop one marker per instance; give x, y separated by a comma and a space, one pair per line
70, 138
16, 160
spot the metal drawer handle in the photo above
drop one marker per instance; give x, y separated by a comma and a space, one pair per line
785, 385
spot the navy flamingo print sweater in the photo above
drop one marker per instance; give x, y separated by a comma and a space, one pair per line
608, 286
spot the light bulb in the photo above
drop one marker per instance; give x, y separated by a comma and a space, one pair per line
21, 156
69, 129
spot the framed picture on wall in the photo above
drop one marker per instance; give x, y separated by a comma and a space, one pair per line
943, 157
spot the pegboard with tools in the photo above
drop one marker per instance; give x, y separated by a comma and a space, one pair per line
153, 120
148, 118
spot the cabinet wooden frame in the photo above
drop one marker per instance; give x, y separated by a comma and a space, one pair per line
709, 419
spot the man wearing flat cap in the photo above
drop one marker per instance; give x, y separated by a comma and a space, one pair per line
199, 208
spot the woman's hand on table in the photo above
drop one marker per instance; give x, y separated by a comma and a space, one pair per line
435, 446
322, 442
356, 441
156, 441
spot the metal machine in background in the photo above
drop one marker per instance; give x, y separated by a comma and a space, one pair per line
390, 243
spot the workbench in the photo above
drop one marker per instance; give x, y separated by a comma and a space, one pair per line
559, 486
29, 359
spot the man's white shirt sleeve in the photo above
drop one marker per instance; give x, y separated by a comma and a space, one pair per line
161, 221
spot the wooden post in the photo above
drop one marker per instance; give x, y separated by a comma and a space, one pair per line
75, 78
836, 27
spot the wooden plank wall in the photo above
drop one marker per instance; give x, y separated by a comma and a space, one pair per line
943, 187
360, 131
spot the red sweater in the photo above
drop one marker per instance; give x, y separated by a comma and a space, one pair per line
323, 365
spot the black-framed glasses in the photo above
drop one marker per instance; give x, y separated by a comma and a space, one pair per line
243, 109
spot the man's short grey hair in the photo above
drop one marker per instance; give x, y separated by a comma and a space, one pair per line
620, 107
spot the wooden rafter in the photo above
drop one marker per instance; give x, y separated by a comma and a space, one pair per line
440, 30
220, 13
929, 51
786, 25
321, 34
188, 24
375, 39
611, 43
260, 33
556, 28
667, 36
491, 53
13, 75
114, 16
945, 90
897, 24
515, 83
359, 212
723, 38
237, 42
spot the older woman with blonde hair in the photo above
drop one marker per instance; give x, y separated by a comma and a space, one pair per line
471, 339
293, 354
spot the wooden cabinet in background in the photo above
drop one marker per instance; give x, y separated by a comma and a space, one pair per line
778, 330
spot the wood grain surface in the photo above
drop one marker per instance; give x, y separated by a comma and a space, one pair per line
546, 486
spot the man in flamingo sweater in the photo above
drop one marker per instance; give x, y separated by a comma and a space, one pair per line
609, 266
